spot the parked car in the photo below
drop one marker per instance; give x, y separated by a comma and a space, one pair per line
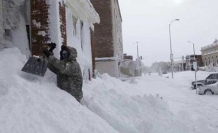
211, 79
208, 89
164, 72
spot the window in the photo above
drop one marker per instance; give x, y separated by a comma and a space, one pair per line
211, 76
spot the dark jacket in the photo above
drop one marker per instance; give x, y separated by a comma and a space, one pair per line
69, 76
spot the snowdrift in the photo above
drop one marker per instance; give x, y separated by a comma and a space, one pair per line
120, 104
33, 104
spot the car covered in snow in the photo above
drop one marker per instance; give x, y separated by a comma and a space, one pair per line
208, 89
211, 79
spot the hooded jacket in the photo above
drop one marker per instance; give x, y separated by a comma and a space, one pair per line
69, 76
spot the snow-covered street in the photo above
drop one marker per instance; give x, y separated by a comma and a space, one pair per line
147, 104
190, 112
201, 110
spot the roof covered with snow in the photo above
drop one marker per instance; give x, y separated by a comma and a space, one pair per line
84, 10
214, 44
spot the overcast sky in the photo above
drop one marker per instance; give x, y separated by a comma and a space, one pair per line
147, 22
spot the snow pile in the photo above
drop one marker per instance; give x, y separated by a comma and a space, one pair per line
128, 68
120, 104
31, 104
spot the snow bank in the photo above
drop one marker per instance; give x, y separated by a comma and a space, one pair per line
31, 104
120, 105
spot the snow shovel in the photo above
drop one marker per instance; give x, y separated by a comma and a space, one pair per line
36, 66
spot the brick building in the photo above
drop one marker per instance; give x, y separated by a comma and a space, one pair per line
190, 59
107, 42
125, 56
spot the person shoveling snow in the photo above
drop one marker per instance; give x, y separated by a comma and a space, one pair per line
67, 69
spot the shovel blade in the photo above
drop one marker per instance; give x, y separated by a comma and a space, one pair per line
36, 66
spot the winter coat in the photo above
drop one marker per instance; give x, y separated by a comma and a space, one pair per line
69, 76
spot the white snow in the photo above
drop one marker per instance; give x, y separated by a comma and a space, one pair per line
13, 20
147, 104
84, 9
54, 25
42, 33
196, 110
31, 104
37, 24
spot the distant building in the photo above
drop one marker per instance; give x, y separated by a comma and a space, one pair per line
180, 65
210, 54
190, 59
125, 56
107, 42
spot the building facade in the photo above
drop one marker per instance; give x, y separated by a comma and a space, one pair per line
107, 42
125, 56
40, 22
81, 16
210, 54
179, 65
190, 59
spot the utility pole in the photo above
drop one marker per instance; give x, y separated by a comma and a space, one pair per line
194, 65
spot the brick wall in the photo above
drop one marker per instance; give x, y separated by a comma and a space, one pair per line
128, 57
199, 60
62, 13
39, 26
102, 38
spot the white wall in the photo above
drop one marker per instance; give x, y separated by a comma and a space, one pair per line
54, 25
81, 41
111, 67
117, 30
19, 38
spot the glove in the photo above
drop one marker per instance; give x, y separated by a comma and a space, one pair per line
52, 46
46, 53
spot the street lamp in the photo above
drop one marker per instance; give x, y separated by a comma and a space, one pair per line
138, 61
171, 53
137, 50
195, 62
